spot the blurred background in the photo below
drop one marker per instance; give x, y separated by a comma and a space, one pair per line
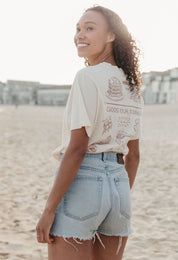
39, 59
38, 62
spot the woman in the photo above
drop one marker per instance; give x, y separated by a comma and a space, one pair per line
99, 155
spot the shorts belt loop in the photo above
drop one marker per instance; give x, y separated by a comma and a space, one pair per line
102, 156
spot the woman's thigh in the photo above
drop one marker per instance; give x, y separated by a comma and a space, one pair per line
62, 250
111, 244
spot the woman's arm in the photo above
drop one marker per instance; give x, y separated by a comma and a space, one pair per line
132, 160
68, 169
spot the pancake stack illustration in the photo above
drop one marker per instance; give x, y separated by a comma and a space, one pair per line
114, 91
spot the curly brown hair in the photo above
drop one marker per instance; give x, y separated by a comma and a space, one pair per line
125, 52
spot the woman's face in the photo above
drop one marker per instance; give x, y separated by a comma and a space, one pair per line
92, 35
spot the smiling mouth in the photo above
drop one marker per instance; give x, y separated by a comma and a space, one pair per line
82, 45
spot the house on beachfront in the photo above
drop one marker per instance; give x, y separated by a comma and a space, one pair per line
160, 87
17, 92
53, 95
20, 92
2, 86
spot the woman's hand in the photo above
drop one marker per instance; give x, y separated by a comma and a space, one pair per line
43, 227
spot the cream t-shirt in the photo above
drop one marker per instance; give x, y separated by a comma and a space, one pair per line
101, 101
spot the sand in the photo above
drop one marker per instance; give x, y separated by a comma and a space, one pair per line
29, 134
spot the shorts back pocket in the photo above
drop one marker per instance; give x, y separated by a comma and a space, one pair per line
123, 188
83, 198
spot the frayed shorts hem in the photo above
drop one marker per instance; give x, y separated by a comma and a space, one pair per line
123, 234
73, 236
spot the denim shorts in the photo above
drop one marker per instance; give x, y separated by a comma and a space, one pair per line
97, 201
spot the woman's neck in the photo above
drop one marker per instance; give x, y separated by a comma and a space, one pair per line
108, 57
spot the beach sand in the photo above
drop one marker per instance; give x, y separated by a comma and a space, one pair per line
29, 134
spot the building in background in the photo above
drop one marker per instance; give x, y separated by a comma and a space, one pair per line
158, 87
53, 95
2, 86
17, 92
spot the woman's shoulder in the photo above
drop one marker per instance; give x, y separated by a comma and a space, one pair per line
82, 72
89, 71
85, 78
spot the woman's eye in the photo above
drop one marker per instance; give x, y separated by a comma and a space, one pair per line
89, 28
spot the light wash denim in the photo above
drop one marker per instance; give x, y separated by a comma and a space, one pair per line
97, 201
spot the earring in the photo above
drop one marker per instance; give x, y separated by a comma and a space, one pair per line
86, 62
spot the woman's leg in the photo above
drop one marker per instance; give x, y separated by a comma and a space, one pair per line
62, 250
111, 245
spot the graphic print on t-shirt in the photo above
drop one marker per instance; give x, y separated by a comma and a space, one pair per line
136, 125
114, 91
107, 124
115, 96
121, 135
123, 122
93, 147
105, 140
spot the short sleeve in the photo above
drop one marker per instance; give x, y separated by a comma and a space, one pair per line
83, 103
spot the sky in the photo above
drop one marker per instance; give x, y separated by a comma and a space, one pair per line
36, 42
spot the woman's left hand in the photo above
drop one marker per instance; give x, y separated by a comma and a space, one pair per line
43, 227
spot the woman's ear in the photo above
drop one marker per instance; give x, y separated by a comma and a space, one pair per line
111, 37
